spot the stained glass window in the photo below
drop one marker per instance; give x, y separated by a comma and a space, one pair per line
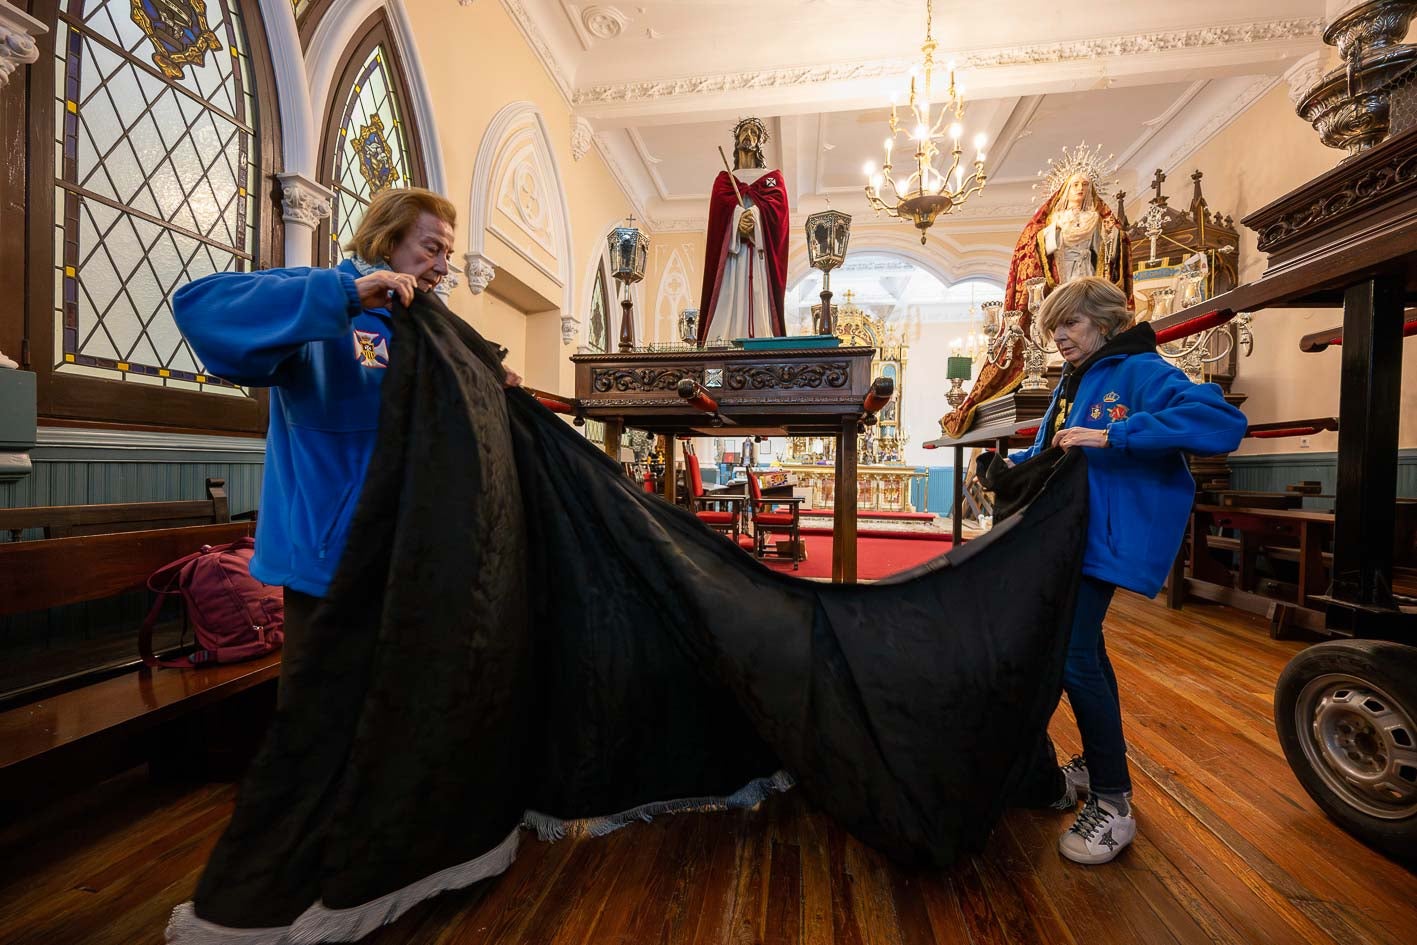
599, 313
155, 175
371, 152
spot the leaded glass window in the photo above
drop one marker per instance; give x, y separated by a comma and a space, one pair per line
371, 152
599, 313
155, 175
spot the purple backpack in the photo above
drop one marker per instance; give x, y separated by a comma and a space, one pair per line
235, 616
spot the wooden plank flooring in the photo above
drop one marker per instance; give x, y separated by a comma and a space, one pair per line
1230, 849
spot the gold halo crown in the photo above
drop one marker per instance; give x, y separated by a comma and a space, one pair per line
1090, 163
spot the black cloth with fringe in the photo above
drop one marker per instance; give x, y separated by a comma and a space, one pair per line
515, 627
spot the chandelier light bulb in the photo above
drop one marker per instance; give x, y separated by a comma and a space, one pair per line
876, 181
921, 132
980, 140
869, 169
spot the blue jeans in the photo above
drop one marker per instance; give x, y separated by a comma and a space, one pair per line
1092, 691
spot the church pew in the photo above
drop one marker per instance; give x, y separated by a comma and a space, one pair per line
68, 732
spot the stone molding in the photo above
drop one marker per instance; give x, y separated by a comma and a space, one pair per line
1304, 75
304, 202
480, 272
1036, 54
570, 329
582, 137
18, 31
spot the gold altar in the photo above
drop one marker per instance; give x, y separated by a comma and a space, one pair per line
879, 487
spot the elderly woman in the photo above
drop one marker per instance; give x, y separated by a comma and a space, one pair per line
320, 339
1137, 416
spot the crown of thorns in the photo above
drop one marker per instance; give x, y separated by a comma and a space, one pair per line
755, 123
1080, 160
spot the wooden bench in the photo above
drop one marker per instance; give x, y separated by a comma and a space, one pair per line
67, 521
1297, 536
103, 720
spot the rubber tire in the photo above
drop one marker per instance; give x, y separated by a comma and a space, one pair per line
1392, 667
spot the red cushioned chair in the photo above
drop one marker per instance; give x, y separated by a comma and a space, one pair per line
715, 518
769, 519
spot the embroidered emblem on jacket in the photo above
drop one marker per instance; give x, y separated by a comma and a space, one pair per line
1118, 412
1096, 412
370, 349
1112, 397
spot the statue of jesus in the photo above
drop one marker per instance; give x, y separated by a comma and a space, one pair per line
745, 260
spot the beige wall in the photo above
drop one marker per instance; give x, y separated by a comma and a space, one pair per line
468, 81
1266, 153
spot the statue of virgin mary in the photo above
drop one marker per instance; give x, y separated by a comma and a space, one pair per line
1072, 234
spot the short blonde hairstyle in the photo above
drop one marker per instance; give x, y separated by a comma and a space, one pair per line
1097, 299
391, 215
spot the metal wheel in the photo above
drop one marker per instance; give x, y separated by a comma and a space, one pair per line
1362, 742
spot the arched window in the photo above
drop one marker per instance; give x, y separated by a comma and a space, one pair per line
369, 146
599, 328
159, 150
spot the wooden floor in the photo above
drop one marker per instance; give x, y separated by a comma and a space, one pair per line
1230, 848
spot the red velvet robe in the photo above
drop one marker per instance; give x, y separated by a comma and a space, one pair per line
769, 194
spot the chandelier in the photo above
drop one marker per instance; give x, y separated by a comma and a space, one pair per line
927, 191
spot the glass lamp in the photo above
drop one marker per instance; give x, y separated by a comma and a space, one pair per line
957, 370
629, 253
689, 325
828, 233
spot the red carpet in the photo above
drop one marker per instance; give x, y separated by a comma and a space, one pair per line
875, 557
900, 516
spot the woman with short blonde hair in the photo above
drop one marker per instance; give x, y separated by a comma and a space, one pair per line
1098, 299
1136, 417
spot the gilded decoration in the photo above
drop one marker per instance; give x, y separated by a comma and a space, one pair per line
178, 31
376, 158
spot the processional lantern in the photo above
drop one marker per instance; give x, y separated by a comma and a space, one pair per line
629, 254
828, 233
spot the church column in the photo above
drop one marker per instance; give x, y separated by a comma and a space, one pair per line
305, 204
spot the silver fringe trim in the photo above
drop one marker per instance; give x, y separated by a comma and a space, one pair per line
187, 928
320, 923
323, 924
752, 794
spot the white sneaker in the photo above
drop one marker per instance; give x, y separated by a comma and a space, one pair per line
1100, 832
1076, 773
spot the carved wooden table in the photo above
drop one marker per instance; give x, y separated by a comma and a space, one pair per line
798, 391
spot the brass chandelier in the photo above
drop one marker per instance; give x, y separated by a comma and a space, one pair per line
927, 192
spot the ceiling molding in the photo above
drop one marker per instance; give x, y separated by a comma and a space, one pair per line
622, 180
1219, 121
1154, 127
1209, 37
532, 34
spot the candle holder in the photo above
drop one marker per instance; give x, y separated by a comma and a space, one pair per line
689, 325
1035, 351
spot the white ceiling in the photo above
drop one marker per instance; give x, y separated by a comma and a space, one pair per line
662, 83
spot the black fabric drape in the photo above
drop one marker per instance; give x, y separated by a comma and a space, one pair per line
515, 626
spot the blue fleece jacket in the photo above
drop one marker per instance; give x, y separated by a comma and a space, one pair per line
302, 333
1140, 487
